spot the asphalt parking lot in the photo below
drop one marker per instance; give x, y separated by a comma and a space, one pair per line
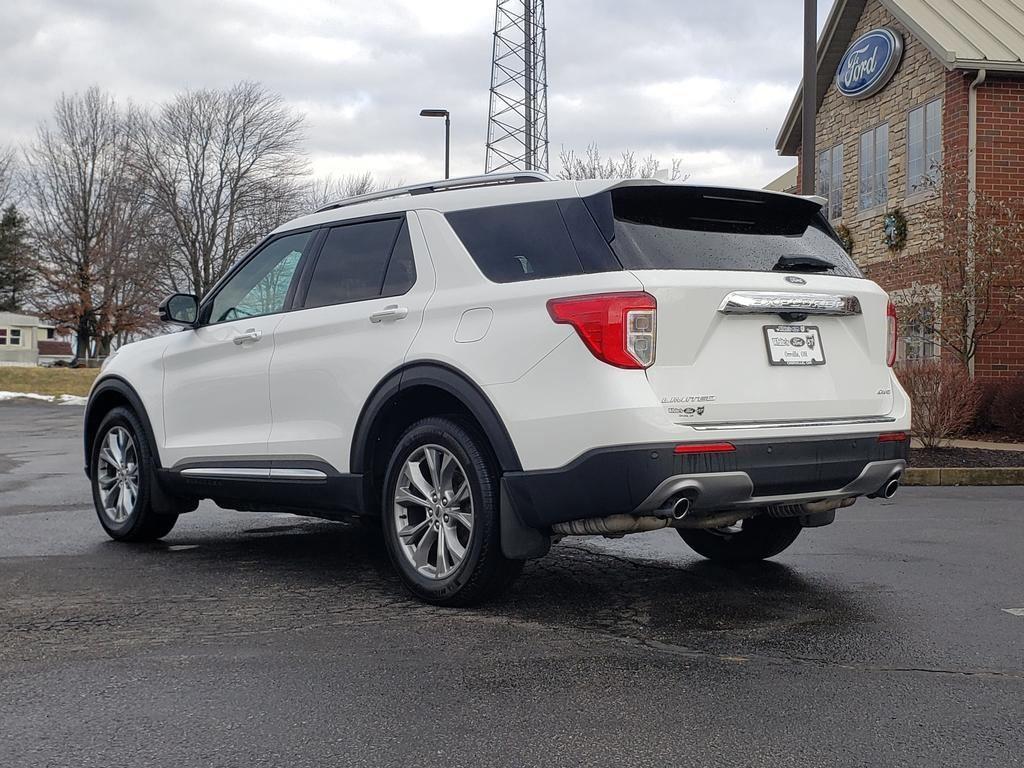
271, 640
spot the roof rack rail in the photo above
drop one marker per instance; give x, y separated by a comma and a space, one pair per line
466, 182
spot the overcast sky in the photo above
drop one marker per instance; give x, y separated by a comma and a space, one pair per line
707, 81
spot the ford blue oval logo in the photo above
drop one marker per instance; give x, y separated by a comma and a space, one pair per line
795, 280
869, 63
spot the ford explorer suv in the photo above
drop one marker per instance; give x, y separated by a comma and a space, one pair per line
487, 365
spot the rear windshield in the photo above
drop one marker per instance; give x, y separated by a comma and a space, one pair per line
658, 227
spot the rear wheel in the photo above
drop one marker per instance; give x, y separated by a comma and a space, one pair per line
123, 475
755, 538
441, 515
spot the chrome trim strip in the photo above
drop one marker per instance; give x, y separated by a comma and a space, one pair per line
257, 472
775, 302
287, 473
712, 426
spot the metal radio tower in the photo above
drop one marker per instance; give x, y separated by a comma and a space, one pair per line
517, 130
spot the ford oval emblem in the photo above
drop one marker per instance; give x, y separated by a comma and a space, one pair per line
795, 280
869, 63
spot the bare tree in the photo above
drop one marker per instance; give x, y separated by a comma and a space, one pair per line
7, 172
88, 222
329, 189
591, 165
222, 168
972, 279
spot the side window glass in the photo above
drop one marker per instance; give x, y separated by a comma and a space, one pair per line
527, 241
352, 264
402, 268
261, 286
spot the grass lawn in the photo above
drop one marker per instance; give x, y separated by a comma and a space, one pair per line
47, 381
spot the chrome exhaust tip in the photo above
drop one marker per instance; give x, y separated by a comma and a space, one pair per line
890, 488
681, 508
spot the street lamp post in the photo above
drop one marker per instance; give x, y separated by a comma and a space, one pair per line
447, 133
810, 94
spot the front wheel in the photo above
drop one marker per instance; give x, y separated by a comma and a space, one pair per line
441, 515
755, 538
123, 476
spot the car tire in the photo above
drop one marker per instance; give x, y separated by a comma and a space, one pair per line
753, 539
441, 514
123, 475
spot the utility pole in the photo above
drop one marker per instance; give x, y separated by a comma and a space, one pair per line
809, 156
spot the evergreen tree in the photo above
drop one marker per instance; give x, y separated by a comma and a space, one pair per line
15, 260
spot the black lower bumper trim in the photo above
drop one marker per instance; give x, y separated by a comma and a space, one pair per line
617, 480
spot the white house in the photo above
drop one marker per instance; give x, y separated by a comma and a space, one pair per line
29, 340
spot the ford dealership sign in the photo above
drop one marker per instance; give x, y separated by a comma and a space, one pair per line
869, 63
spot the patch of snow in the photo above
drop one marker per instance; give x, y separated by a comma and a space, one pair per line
58, 399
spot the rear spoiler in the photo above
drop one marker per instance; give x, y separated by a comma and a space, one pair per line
589, 187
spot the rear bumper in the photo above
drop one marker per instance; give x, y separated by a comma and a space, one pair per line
643, 478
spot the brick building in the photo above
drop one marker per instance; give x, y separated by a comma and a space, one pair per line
920, 109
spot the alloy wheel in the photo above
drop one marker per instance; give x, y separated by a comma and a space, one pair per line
117, 474
433, 509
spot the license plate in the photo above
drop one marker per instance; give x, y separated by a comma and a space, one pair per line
794, 345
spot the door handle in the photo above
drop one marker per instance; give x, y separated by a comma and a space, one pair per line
251, 335
390, 312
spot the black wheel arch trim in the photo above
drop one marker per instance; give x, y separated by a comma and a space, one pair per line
124, 389
447, 379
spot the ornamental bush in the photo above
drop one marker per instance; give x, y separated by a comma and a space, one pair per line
944, 399
1007, 409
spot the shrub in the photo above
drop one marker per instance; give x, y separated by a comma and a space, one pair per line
983, 419
943, 397
1007, 409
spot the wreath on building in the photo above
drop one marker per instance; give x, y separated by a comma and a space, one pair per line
895, 227
845, 238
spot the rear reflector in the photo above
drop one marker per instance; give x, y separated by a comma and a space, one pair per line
892, 334
892, 437
706, 448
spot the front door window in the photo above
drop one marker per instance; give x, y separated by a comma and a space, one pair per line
261, 286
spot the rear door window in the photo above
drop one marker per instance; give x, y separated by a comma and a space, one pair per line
660, 227
358, 260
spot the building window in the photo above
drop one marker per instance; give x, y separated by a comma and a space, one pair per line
874, 167
830, 180
924, 146
920, 339
10, 337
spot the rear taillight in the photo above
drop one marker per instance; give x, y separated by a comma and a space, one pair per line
618, 328
892, 324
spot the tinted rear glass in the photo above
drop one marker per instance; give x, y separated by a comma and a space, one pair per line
352, 263
529, 241
657, 227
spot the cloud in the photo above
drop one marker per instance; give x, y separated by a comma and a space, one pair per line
708, 83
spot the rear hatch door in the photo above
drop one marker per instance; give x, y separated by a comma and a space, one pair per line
762, 316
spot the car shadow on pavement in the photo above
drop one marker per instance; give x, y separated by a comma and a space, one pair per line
575, 585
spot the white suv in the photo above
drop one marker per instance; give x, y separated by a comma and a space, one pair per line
488, 364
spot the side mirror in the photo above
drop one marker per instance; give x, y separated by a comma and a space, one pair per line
180, 309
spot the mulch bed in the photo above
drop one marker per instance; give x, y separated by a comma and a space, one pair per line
964, 457
995, 437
